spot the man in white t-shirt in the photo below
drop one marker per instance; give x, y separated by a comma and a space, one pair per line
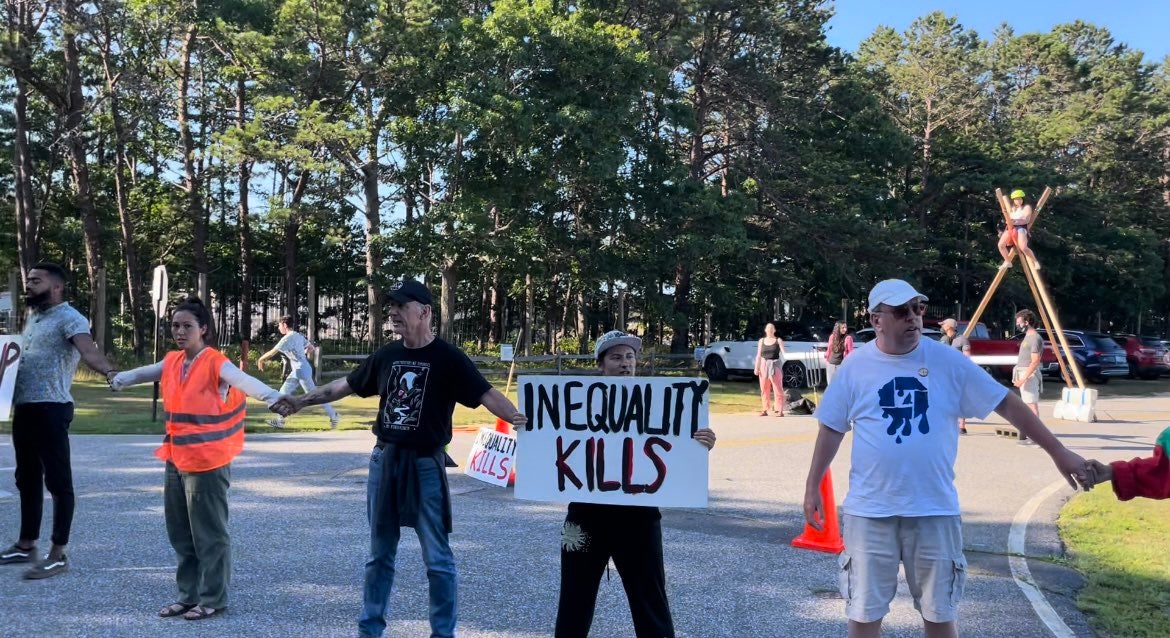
901, 396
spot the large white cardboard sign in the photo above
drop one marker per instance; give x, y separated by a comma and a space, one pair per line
616, 440
9, 363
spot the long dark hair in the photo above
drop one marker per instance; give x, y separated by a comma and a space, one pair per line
202, 315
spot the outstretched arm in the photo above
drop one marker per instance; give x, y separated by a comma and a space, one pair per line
145, 374
1070, 464
499, 405
333, 391
92, 356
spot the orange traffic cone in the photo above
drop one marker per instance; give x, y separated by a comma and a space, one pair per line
828, 539
506, 428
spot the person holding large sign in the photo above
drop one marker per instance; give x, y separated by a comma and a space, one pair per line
55, 337
631, 535
902, 396
203, 392
419, 378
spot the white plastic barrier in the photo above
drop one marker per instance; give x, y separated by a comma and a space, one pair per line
1076, 405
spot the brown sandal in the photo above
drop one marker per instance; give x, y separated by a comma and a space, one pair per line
199, 612
174, 609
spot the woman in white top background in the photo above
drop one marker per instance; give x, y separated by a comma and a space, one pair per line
1017, 234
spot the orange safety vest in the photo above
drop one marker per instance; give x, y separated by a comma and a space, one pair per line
204, 432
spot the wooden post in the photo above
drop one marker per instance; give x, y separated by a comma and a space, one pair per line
559, 355
99, 310
653, 364
1044, 307
317, 365
1059, 330
311, 325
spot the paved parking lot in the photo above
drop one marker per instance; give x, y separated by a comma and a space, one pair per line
299, 539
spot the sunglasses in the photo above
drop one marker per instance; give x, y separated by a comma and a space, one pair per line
904, 311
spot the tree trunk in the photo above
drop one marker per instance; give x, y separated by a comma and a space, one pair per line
27, 220
134, 285
243, 225
191, 177
449, 276
529, 312
75, 142
291, 228
370, 173
495, 312
582, 328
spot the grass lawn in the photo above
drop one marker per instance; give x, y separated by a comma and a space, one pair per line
1124, 553
100, 411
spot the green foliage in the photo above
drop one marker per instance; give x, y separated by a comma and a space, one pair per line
699, 160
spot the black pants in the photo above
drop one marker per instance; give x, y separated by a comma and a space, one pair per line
636, 549
40, 434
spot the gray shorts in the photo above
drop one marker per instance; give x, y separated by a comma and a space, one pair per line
929, 547
1030, 393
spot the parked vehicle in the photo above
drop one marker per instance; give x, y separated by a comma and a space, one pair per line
803, 351
997, 356
1099, 357
865, 335
1146, 356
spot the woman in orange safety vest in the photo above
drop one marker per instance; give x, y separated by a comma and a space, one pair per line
203, 401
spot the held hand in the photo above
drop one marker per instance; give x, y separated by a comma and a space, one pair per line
705, 437
1099, 472
1020, 383
286, 405
1073, 466
814, 510
260, 365
518, 421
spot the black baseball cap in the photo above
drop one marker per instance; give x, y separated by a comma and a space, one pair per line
409, 290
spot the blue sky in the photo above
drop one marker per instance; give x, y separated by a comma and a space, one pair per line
1141, 24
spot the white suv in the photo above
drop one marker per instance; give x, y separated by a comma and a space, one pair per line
803, 352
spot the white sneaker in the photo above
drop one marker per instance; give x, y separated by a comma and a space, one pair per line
1005, 265
276, 423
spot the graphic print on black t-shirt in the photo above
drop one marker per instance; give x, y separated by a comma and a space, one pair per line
902, 400
405, 388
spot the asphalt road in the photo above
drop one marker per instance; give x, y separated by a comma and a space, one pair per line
299, 541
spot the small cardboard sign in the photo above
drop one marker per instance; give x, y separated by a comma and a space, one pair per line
492, 457
9, 364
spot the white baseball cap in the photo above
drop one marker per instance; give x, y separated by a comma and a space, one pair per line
948, 323
893, 292
615, 338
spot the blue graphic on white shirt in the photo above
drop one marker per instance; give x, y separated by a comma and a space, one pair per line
902, 400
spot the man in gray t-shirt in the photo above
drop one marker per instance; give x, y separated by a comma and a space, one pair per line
293, 346
55, 338
1026, 374
952, 338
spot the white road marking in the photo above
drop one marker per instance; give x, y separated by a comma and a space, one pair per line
1018, 561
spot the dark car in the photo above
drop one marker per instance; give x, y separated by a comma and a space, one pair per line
1146, 356
1099, 357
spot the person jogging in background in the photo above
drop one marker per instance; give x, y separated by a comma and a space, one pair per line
295, 347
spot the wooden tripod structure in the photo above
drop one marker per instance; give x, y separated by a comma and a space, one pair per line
1044, 306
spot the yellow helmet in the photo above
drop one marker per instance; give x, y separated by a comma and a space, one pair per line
1017, 194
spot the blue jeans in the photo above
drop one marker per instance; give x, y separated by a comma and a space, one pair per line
436, 551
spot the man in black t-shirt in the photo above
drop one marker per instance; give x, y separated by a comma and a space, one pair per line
629, 534
418, 380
